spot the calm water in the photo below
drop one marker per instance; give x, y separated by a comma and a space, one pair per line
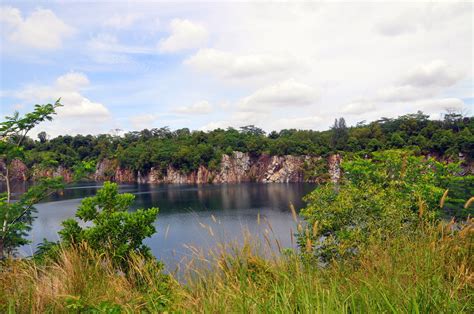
183, 210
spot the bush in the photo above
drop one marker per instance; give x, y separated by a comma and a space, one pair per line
379, 197
114, 230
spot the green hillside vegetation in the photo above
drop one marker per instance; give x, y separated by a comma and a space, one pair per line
376, 242
186, 150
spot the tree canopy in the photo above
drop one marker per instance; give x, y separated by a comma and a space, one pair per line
186, 150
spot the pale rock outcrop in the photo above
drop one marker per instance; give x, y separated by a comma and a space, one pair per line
334, 165
285, 169
234, 168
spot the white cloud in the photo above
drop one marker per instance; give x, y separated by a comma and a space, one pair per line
201, 107
144, 121
242, 117
440, 105
311, 122
358, 107
122, 21
289, 93
434, 74
78, 115
42, 29
215, 125
423, 81
184, 35
396, 27
265, 120
229, 65
72, 81
402, 93
355, 55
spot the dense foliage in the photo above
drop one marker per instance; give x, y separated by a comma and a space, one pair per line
186, 149
381, 197
113, 227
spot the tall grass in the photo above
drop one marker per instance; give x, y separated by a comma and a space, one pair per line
79, 280
430, 272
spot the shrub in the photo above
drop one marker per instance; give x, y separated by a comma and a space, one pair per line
378, 197
114, 230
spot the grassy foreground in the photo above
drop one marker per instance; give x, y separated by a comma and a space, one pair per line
431, 272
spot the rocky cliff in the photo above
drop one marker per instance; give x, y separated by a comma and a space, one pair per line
235, 168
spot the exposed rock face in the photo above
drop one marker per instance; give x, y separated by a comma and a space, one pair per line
110, 170
235, 168
285, 169
53, 173
18, 171
334, 165
241, 167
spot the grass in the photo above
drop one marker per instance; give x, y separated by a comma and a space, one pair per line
80, 280
431, 272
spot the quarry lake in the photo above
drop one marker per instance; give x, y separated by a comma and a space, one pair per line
188, 213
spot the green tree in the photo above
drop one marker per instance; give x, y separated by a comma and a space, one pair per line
16, 217
114, 229
396, 140
340, 134
43, 137
83, 169
377, 198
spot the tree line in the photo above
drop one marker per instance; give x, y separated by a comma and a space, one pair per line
187, 150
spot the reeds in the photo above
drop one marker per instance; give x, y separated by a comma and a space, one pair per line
80, 279
425, 272
430, 271
469, 202
443, 198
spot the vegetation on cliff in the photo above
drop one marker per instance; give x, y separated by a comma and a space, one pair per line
186, 150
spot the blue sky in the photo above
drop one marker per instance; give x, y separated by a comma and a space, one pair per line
131, 65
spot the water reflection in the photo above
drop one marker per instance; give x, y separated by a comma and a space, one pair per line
183, 208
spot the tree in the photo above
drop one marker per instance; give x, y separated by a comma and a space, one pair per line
453, 118
396, 140
16, 217
43, 137
252, 130
114, 230
377, 198
340, 134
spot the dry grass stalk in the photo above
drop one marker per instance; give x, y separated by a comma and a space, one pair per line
443, 198
300, 228
166, 232
421, 207
293, 213
315, 229
309, 245
469, 202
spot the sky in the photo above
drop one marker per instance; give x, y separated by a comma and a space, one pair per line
129, 65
